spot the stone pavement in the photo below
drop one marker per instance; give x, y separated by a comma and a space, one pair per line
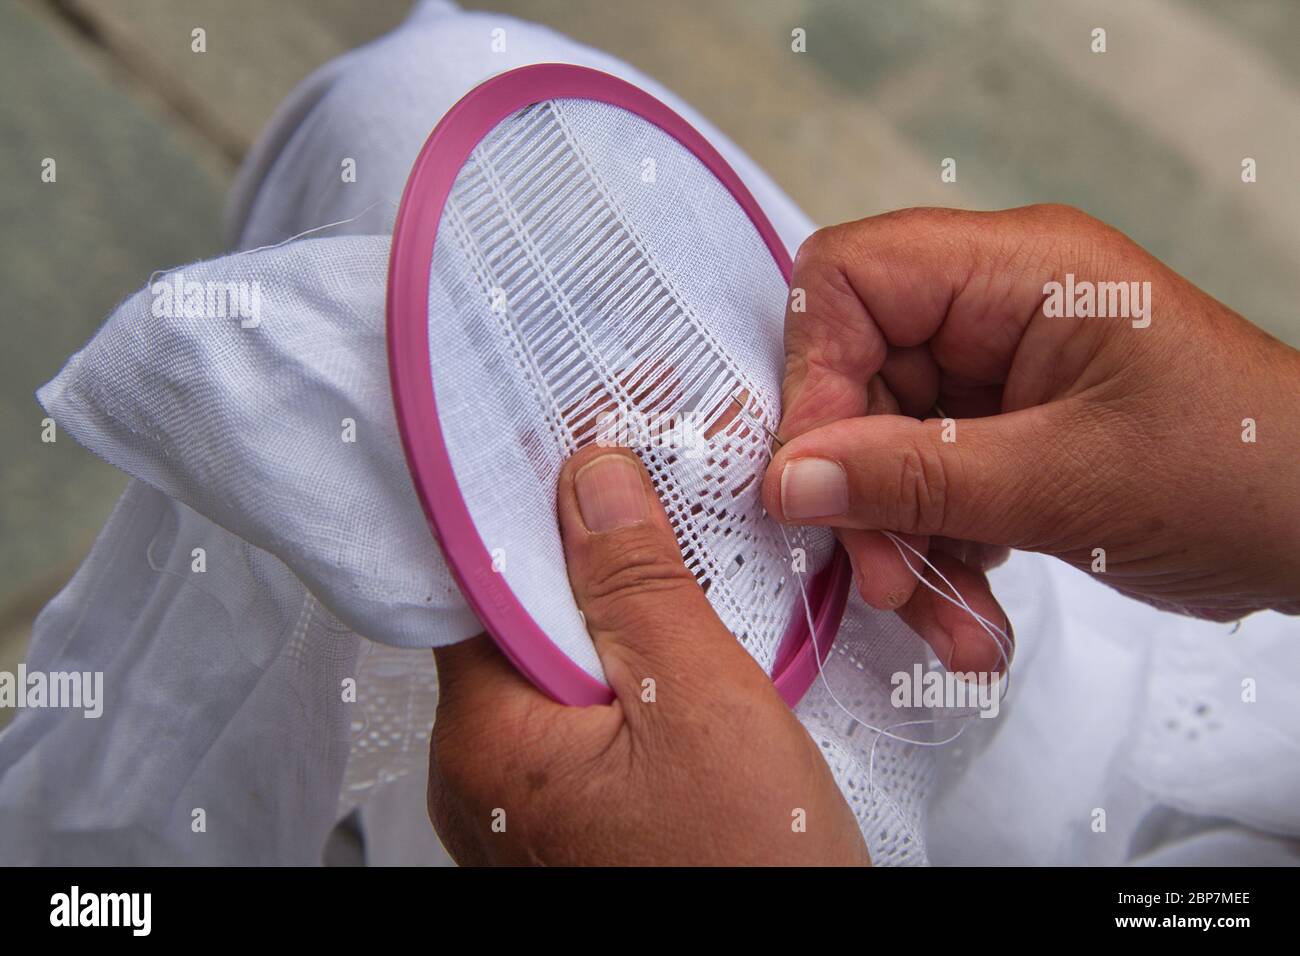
146, 135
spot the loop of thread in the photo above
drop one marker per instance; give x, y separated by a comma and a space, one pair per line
999, 636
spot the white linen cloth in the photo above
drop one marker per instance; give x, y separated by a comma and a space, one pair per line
226, 689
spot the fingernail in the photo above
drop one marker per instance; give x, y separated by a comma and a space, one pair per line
611, 493
814, 488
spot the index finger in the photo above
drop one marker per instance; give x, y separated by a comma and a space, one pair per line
963, 285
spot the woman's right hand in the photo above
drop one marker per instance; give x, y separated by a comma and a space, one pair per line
1160, 445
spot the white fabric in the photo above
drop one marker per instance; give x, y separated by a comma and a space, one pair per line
247, 426
1116, 706
226, 689
222, 697
569, 294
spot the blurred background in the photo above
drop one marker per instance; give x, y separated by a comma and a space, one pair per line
147, 135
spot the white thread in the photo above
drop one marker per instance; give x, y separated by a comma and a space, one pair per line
999, 636
276, 245
993, 631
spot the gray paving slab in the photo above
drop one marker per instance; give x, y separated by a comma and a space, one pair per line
131, 194
255, 51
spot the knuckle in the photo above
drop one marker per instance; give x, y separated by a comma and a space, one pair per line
1083, 243
639, 577
913, 216
1062, 214
922, 221
816, 247
923, 488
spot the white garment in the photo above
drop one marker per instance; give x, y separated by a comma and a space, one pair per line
225, 688
1118, 707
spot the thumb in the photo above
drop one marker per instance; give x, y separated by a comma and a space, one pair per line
644, 610
999, 480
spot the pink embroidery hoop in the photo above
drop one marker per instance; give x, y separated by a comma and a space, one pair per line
445, 152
